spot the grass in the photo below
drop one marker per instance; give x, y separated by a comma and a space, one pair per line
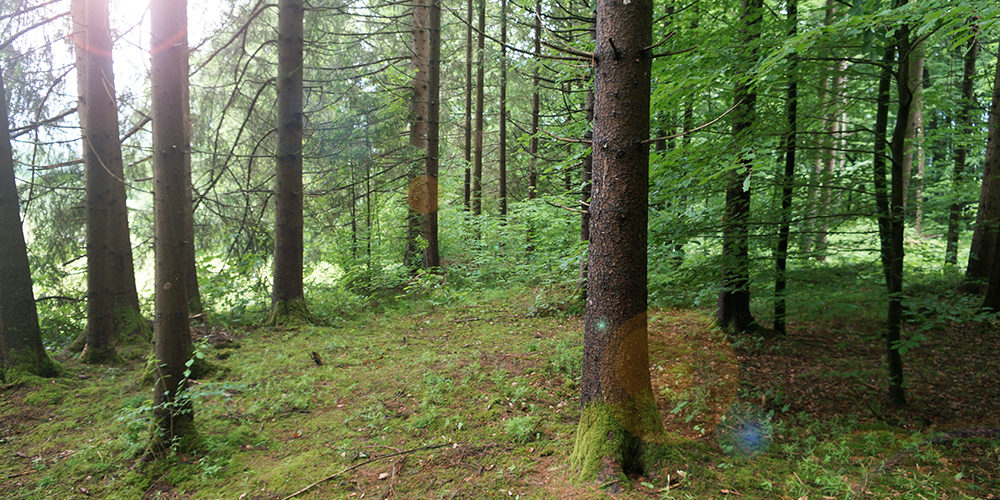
494, 384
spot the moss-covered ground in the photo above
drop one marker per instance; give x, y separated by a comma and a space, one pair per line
477, 398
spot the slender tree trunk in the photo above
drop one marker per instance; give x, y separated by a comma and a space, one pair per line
535, 110
894, 276
502, 177
964, 125
195, 307
620, 421
477, 162
287, 295
733, 313
468, 104
21, 349
787, 179
914, 127
172, 411
423, 195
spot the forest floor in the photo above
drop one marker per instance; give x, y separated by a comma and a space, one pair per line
477, 397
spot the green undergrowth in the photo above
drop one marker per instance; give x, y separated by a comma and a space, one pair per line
441, 394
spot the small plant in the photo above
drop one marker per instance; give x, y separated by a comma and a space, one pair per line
522, 429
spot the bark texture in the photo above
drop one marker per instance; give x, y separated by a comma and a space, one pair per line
172, 412
984, 237
620, 421
21, 347
787, 179
287, 298
477, 160
423, 193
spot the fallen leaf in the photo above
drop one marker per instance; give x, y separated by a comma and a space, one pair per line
383, 475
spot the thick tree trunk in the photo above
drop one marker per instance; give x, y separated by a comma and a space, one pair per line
287, 295
21, 349
733, 313
423, 195
983, 252
787, 180
963, 124
914, 127
112, 302
620, 420
172, 410
477, 162
992, 164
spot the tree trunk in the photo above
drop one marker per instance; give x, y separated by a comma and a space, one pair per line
287, 295
172, 409
103, 168
502, 177
423, 192
733, 313
964, 125
468, 105
914, 127
787, 179
195, 307
894, 275
21, 349
982, 253
477, 163
620, 421
992, 164
535, 110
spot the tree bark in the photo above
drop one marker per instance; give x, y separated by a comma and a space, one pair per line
287, 295
992, 164
21, 349
894, 274
983, 250
502, 177
468, 105
620, 422
964, 125
112, 302
733, 314
477, 163
787, 179
914, 127
535, 110
423, 195
172, 410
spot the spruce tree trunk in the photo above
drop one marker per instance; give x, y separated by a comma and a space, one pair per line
787, 179
535, 109
468, 105
733, 314
21, 349
108, 296
502, 177
982, 253
172, 411
963, 124
195, 307
287, 294
620, 420
477, 163
423, 195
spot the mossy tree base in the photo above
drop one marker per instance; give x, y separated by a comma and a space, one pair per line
292, 312
614, 441
99, 356
20, 365
177, 435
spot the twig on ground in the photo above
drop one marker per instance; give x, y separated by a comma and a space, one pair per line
366, 462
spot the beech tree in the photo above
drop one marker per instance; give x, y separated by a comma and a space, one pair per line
21, 347
172, 411
620, 422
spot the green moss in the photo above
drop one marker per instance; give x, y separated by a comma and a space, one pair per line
28, 363
617, 439
289, 313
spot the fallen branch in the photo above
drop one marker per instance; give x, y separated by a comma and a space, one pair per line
366, 462
19, 474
